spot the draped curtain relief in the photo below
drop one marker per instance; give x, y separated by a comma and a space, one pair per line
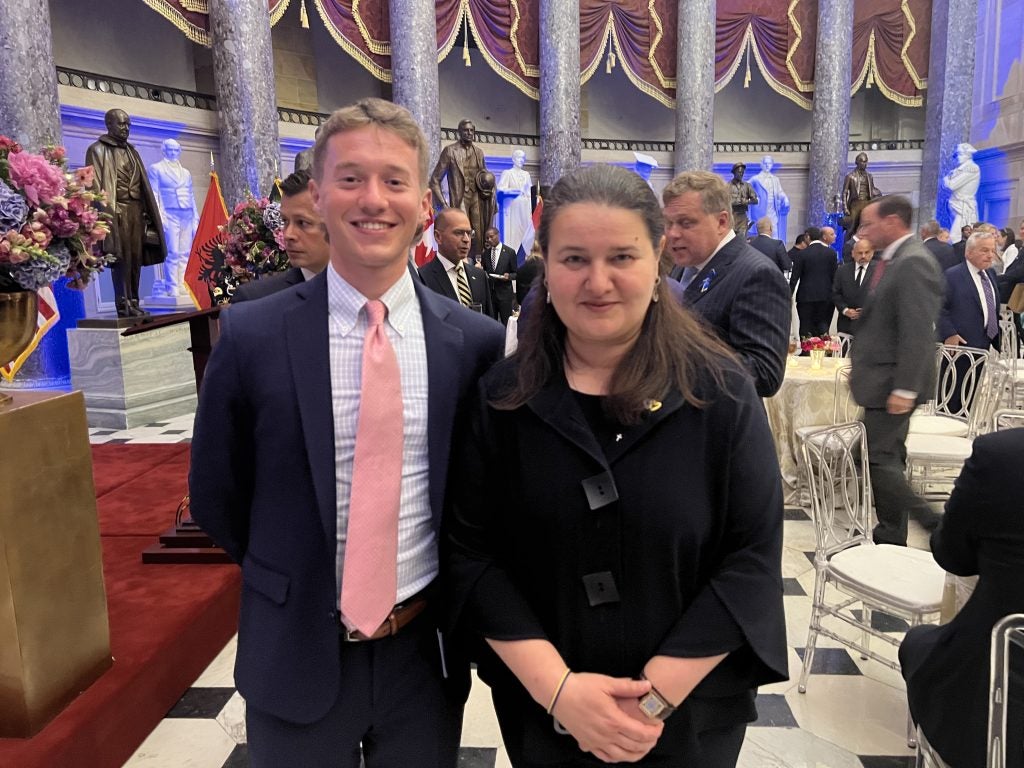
890, 40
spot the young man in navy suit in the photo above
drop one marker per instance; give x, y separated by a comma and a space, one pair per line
274, 473
733, 288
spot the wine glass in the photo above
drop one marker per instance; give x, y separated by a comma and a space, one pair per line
794, 349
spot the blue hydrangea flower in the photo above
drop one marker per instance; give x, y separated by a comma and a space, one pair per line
13, 209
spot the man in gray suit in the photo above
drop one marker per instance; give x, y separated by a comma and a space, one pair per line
893, 358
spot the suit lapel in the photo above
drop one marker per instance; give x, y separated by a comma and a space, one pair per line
719, 265
309, 360
444, 343
439, 279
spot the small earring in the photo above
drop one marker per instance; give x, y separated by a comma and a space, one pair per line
654, 296
547, 291
548, 300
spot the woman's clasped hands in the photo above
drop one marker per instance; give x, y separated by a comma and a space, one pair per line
603, 714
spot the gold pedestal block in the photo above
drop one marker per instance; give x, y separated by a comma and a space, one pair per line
54, 635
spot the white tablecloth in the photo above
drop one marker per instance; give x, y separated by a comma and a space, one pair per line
806, 398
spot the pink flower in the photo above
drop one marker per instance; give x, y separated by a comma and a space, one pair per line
85, 176
40, 181
9, 145
55, 155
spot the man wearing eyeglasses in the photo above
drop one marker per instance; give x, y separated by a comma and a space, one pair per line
451, 274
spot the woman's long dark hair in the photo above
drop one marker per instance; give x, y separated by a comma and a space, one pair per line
673, 349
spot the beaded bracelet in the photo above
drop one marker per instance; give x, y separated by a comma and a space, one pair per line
558, 690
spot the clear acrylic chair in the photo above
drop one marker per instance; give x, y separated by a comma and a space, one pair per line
1009, 354
845, 340
1006, 418
935, 458
1006, 632
850, 571
958, 375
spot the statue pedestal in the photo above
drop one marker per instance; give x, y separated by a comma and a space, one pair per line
168, 303
54, 634
133, 380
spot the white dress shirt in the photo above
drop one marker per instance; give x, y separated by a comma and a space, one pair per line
417, 542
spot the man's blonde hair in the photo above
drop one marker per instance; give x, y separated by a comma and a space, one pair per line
714, 194
378, 112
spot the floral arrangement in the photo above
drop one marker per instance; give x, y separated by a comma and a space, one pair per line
249, 247
51, 223
824, 343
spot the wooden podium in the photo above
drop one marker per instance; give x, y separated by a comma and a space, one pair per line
185, 542
54, 634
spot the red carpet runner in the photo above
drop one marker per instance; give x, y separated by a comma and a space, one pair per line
167, 622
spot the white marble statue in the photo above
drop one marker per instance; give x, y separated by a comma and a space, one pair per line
962, 183
772, 201
516, 182
172, 187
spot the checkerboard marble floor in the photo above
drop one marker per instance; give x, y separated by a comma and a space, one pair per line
852, 716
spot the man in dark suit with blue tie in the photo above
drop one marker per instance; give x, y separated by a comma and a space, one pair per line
340, 655
733, 288
970, 312
850, 286
811, 281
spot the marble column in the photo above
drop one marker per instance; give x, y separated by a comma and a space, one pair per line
695, 103
243, 73
414, 67
560, 145
29, 109
947, 100
830, 111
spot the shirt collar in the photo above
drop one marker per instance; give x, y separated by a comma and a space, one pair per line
722, 243
891, 249
345, 303
448, 265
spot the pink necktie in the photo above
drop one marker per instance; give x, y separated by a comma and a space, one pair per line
368, 584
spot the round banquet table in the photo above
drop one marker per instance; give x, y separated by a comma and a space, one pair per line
806, 398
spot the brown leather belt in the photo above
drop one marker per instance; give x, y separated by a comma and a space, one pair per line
399, 617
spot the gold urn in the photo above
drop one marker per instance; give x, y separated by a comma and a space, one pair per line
18, 313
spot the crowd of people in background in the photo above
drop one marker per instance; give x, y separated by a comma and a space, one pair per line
595, 520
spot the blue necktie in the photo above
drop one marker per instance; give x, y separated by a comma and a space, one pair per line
687, 277
992, 326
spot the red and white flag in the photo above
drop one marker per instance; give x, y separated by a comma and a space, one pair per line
426, 248
208, 235
531, 232
46, 317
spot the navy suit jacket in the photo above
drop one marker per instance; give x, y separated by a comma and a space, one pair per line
262, 480
943, 253
961, 311
507, 262
257, 289
947, 667
744, 297
774, 250
436, 279
814, 269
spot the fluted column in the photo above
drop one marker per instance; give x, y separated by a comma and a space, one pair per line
29, 109
948, 99
30, 114
695, 86
560, 145
414, 67
243, 72
830, 113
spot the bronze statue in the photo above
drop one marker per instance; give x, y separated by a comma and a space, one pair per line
463, 163
742, 196
136, 236
858, 190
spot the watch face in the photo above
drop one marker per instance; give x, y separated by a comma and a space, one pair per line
652, 706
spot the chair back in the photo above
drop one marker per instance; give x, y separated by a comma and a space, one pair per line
987, 397
959, 373
845, 340
844, 407
1008, 336
1007, 418
836, 463
1008, 630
